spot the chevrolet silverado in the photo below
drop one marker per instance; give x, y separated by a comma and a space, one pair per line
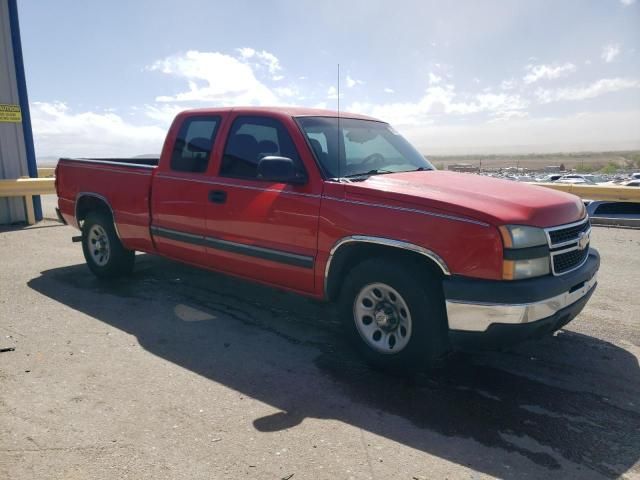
341, 207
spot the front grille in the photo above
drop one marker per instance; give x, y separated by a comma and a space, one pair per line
563, 235
564, 262
565, 244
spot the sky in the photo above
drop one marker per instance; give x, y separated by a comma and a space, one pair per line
455, 77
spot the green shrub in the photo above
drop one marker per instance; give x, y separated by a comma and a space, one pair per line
587, 168
610, 168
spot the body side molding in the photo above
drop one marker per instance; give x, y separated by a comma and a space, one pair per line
263, 253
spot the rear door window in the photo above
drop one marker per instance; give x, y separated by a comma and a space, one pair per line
193, 145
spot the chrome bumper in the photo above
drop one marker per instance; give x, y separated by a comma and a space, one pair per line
477, 317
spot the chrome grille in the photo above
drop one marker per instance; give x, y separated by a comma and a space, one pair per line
567, 261
568, 234
568, 246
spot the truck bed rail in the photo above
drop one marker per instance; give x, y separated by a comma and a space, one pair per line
122, 162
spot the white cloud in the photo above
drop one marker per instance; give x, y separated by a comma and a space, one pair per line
610, 52
508, 84
509, 116
286, 91
216, 78
442, 100
163, 113
249, 78
351, 82
547, 72
58, 131
332, 93
601, 87
626, 3
246, 52
434, 79
523, 135
270, 60
262, 58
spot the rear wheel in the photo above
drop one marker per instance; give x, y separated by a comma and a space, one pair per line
103, 251
394, 314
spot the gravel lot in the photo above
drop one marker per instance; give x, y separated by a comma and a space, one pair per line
178, 373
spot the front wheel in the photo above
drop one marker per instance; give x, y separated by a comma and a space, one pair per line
103, 251
394, 314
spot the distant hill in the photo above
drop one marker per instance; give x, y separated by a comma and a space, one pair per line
48, 161
532, 161
582, 160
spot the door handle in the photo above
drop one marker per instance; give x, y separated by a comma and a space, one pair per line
217, 196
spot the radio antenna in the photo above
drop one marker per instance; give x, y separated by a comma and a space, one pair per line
339, 131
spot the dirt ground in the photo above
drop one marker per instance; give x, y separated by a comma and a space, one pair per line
178, 373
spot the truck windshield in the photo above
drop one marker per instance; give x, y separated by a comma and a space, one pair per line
350, 148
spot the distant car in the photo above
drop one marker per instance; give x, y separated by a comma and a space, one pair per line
551, 178
580, 179
635, 176
632, 183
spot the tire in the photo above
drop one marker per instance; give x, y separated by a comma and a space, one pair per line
411, 333
105, 255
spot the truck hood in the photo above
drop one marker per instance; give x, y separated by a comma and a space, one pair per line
492, 200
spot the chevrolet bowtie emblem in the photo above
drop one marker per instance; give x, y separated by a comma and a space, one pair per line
583, 240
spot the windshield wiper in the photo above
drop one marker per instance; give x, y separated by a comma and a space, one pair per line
377, 171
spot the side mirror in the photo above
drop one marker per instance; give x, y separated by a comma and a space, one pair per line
280, 169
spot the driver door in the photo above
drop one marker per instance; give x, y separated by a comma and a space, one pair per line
259, 229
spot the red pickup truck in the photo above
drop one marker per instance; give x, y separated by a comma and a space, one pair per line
341, 207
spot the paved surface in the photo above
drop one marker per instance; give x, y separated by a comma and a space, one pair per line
178, 373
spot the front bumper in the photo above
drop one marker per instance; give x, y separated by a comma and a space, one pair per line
487, 313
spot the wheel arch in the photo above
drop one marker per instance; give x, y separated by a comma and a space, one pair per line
87, 202
350, 251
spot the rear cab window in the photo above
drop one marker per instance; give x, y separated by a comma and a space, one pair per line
194, 143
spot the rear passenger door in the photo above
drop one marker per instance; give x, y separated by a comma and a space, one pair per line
259, 229
180, 191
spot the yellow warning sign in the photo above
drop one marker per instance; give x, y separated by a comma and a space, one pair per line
10, 113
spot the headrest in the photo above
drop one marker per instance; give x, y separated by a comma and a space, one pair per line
199, 145
267, 146
316, 145
243, 146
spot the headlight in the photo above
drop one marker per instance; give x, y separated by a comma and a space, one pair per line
519, 236
526, 252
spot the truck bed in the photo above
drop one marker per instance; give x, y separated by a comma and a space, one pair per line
124, 184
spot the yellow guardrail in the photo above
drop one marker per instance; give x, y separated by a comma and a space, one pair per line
598, 192
21, 187
45, 172
27, 188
